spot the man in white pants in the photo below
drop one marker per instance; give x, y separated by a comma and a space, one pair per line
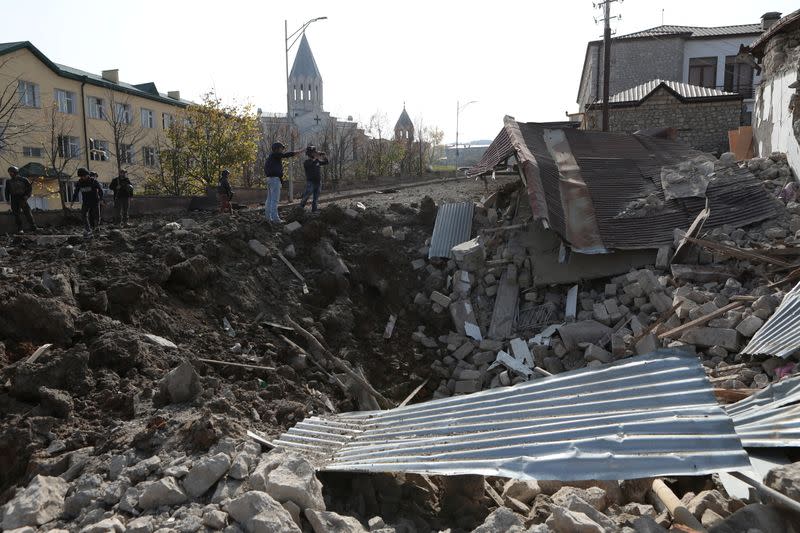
273, 168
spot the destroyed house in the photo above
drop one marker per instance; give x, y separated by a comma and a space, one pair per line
609, 193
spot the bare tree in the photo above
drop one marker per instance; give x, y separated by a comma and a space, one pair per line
12, 128
339, 140
59, 147
126, 131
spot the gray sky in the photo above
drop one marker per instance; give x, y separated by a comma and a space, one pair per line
521, 58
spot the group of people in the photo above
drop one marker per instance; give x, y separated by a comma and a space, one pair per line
88, 189
273, 168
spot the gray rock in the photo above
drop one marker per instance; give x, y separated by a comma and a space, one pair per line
501, 519
524, 491
40, 502
708, 499
376, 522
289, 477
565, 521
240, 468
165, 491
214, 519
330, 522
294, 511
143, 524
108, 525
115, 466
576, 504
129, 501
756, 516
749, 326
258, 512
204, 473
594, 496
227, 489
785, 479
645, 524
181, 384
81, 499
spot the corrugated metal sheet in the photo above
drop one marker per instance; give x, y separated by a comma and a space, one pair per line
695, 31
453, 226
771, 417
646, 416
683, 90
499, 151
617, 169
787, 23
780, 335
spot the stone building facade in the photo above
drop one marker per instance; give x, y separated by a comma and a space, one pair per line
703, 123
776, 121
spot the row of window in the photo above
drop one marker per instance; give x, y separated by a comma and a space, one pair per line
738, 75
70, 147
95, 107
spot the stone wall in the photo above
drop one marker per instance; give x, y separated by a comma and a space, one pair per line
636, 61
703, 125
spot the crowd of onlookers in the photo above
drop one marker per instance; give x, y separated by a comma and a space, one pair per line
89, 191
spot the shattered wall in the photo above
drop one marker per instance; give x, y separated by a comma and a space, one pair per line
703, 125
777, 117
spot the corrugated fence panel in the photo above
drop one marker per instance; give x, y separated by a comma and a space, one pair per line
646, 416
771, 417
453, 226
780, 336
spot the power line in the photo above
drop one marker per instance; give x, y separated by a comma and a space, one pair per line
606, 6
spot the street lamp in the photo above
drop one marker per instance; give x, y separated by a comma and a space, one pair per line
459, 108
296, 35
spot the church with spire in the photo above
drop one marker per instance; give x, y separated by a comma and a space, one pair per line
310, 123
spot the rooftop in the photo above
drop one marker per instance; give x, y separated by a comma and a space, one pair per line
695, 32
682, 91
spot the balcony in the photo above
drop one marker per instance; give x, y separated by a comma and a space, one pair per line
746, 90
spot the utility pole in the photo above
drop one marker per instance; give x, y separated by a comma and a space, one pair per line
606, 5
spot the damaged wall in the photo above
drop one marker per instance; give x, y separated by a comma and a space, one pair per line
702, 125
776, 125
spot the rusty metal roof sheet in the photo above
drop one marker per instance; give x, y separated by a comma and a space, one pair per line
771, 417
780, 335
580, 186
453, 226
645, 416
682, 91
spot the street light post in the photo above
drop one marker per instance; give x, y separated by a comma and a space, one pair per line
460, 108
296, 35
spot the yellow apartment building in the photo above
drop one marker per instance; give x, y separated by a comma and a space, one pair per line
64, 118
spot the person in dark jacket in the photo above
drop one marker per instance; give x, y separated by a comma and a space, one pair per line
122, 187
18, 190
225, 192
314, 160
273, 169
91, 193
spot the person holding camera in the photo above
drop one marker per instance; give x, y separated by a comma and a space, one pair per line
314, 160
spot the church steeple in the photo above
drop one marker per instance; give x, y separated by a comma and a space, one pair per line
404, 129
305, 82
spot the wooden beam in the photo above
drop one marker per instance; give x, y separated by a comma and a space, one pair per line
739, 253
295, 272
702, 320
240, 365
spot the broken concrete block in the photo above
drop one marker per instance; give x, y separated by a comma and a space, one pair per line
647, 344
387, 231
491, 345
181, 384
417, 264
468, 373
661, 301
483, 358
708, 337
505, 305
596, 353
464, 350
258, 247
611, 290
351, 213
462, 312
600, 313
470, 255
749, 326
467, 386
440, 299
291, 227
491, 290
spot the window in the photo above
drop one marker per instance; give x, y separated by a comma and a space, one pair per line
96, 107
703, 71
123, 112
31, 151
147, 118
98, 150
166, 120
149, 156
738, 77
28, 94
68, 147
126, 153
65, 101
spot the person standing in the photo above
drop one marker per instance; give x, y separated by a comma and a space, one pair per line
273, 169
122, 187
91, 193
18, 190
225, 192
315, 159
